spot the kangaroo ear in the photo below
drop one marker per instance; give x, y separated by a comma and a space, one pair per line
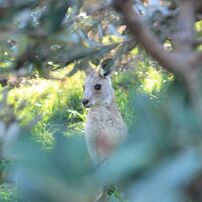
106, 67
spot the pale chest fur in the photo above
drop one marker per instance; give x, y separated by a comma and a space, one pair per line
105, 129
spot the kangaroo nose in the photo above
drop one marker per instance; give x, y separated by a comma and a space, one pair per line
85, 101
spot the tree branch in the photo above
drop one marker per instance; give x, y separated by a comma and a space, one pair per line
173, 62
183, 62
197, 59
186, 32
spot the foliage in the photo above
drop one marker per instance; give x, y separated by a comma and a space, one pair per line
52, 100
44, 48
8, 193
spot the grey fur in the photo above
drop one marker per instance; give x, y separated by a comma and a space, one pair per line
105, 128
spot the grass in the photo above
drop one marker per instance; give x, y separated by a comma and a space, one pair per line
56, 103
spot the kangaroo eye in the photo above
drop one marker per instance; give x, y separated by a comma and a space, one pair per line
98, 87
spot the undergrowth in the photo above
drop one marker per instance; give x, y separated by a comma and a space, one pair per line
58, 105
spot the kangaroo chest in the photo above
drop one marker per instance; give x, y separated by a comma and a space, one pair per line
103, 118
105, 129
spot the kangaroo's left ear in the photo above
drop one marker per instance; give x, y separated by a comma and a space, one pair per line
106, 67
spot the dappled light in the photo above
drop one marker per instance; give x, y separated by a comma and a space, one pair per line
153, 81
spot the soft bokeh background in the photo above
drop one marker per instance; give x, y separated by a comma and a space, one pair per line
44, 48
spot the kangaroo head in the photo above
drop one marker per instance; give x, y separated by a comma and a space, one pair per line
98, 87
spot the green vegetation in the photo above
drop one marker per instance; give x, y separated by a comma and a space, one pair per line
45, 48
8, 193
60, 110
57, 103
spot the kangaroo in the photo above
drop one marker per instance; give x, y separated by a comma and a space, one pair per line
105, 128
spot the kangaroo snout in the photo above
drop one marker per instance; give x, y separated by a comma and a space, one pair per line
85, 102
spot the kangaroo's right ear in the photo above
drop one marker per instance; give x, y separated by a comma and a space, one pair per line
106, 67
